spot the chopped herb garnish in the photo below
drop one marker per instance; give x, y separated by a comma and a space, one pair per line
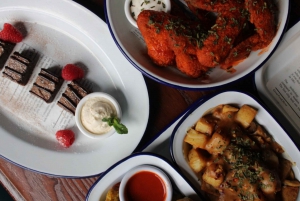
115, 122
235, 53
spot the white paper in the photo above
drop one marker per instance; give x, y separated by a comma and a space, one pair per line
285, 88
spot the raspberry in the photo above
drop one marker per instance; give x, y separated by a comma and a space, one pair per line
71, 72
10, 34
65, 137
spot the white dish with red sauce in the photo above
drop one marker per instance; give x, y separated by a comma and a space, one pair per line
131, 44
263, 117
115, 173
145, 182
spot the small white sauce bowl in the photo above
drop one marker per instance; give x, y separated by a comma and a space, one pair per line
128, 11
147, 168
78, 121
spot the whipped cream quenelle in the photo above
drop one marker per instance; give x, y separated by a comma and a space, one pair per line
138, 6
92, 113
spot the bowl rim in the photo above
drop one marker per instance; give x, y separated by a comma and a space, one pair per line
149, 168
157, 160
193, 86
131, 19
79, 124
128, 14
290, 141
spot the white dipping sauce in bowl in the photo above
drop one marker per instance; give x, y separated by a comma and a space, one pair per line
134, 7
138, 6
91, 111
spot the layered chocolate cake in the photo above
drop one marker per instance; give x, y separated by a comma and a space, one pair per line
18, 68
71, 97
46, 85
5, 50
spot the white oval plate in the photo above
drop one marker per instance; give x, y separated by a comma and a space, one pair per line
131, 44
279, 69
66, 32
115, 173
263, 117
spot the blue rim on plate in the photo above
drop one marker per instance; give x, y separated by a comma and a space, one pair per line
101, 55
170, 83
176, 138
138, 155
207, 98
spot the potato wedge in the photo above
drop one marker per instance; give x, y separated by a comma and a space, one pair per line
285, 168
245, 115
293, 183
196, 139
214, 175
203, 126
229, 108
197, 160
289, 193
217, 143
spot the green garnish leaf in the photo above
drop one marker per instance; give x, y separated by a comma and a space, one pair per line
115, 122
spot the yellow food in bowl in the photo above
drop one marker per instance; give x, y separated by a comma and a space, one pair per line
236, 159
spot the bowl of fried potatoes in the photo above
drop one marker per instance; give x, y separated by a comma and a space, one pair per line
232, 148
227, 41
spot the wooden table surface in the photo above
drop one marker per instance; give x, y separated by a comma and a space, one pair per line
166, 104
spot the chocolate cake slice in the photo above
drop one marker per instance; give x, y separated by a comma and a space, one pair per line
46, 85
71, 97
5, 50
18, 66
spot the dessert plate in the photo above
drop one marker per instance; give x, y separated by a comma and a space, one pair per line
115, 173
277, 82
57, 33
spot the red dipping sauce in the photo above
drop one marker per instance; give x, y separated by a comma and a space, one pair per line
145, 186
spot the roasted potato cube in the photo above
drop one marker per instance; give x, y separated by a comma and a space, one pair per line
210, 190
203, 126
229, 108
217, 143
196, 139
197, 160
245, 115
293, 183
291, 175
269, 182
285, 167
276, 147
289, 193
214, 175
261, 132
270, 158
